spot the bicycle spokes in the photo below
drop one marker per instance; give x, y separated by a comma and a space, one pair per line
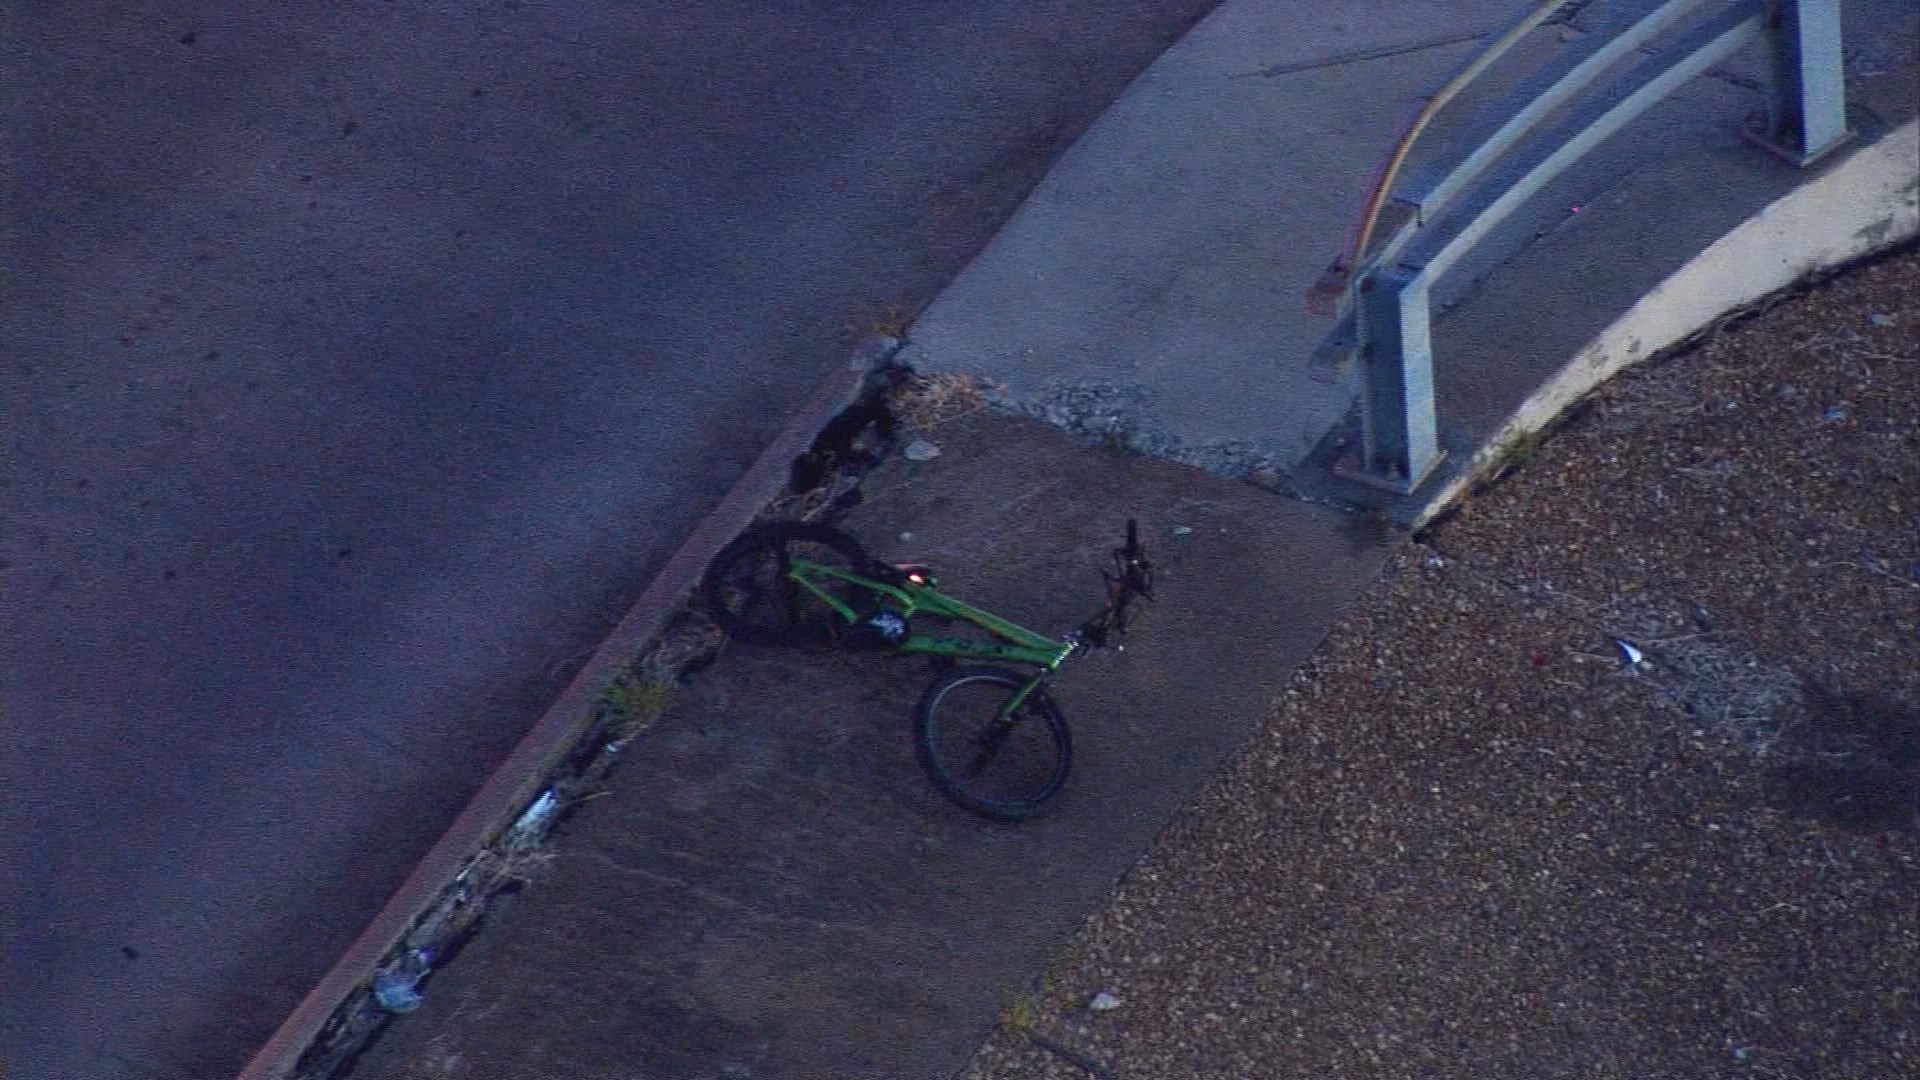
988, 743
995, 758
786, 589
754, 589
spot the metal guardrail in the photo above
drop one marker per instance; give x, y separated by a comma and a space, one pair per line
1383, 295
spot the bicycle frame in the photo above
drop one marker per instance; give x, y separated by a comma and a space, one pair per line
1012, 642
1000, 761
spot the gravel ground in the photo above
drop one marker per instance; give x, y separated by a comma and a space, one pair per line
1473, 840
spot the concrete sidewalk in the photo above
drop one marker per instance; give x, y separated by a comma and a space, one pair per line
1154, 285
771, 889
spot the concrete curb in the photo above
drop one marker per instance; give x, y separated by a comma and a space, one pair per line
1866, 203
517, 780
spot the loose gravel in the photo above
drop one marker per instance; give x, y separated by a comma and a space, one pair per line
1614, 774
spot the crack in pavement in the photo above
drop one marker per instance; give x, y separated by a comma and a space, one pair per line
1276, 70
723, 900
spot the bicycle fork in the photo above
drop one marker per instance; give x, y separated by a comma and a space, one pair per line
994, 735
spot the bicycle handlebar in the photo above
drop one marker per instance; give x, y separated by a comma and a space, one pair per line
1131, 578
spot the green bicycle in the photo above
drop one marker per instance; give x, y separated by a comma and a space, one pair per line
991, 738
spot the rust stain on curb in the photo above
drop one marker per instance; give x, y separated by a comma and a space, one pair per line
542, 749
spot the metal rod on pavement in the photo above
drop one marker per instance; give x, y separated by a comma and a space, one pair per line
1370, 216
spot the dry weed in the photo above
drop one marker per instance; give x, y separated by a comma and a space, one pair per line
927, 401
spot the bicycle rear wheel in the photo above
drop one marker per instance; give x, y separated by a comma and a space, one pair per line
1004, 767
750, 594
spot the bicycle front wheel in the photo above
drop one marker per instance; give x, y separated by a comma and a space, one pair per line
998, 764
750, 591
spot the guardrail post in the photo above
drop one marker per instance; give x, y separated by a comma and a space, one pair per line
1399, 439
1382, 295
1807, 102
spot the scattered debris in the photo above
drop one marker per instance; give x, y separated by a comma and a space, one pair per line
1880, 319
531, 826
394, 994
397, 991
920, 450
1834, 413
515, 858
1181, 530
1266, 477
1723, 687
1630, 654
1873, 564
1067, 1053
1702, 620
1104, 1002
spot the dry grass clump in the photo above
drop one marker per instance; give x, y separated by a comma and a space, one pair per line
926, 401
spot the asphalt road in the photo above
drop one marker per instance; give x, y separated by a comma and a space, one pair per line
361, 360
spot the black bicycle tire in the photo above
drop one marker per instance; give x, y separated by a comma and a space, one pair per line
752, 544
924, 735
